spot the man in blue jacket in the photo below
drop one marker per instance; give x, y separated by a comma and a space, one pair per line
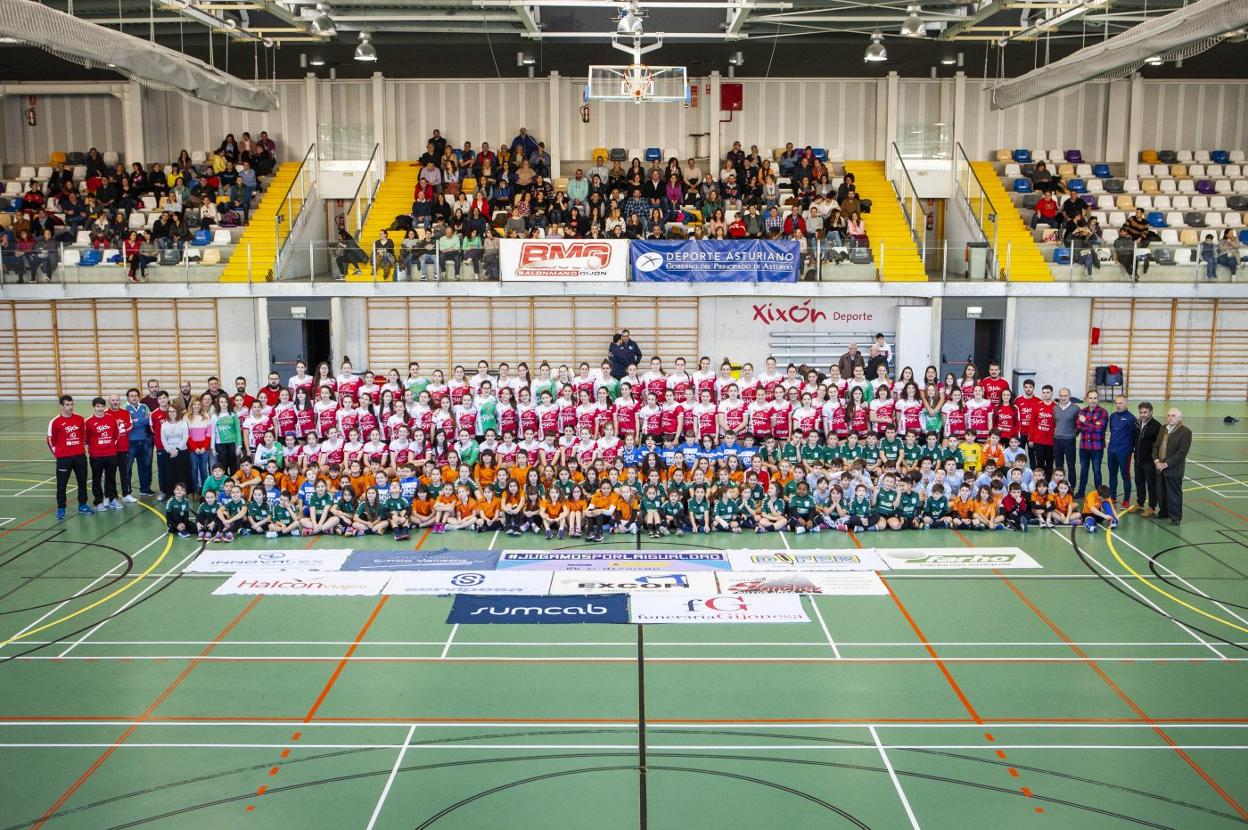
140, 451
1123, 430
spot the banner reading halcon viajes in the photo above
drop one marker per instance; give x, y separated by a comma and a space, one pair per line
563, 260
716, 260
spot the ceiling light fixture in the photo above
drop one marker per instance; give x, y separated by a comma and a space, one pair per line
913, 25
948, 60
525, 59
1155, 60
365, 51
876, 53
323, 24
317, 60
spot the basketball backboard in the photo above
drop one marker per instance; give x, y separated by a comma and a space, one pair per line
638, 83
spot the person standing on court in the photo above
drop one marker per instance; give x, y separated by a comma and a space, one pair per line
1170, 458
1123, 431
67, 434
101, 432
1065, 433
122, 416
175, 435
140, 453
622, 353
1091, 423
1147, 432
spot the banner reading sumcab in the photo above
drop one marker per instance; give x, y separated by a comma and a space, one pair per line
563, 260
716, 260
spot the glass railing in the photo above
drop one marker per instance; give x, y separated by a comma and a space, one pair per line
356, 210
291, 205
973, 197
918, 217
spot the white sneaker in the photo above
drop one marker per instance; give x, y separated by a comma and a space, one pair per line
129, 498
101, 507
800, 530
272, 534
116, 504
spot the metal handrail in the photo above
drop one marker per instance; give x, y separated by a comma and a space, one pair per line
978, 220
920, 238
362, 215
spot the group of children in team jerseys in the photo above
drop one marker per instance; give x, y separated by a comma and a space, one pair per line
806, 485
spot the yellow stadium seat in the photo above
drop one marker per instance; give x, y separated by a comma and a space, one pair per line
1178, 171
57, 157
1149, 157
1126, 203
600, 154
1149, 186
1189, 236
468, 185
1004, 155
1066, 171
561, 184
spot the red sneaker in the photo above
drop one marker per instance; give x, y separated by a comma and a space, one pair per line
1125, 504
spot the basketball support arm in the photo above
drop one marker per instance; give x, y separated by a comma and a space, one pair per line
636, 49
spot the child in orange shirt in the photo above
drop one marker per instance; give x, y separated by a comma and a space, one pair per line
626, 506
489, 511
554, 512
422, 509
1098, 507
985, 516
600, 513
443, 509
513, 508
1064, 510
464, 510
576, 511
962, 507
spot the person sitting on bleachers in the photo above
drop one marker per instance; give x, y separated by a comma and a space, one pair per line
75, 211
94, 163
203, 189
1044, 181
1045, 211
208, 215
47, 257
1141, 233
1228, 251
523, 144
1124, 252
539, 159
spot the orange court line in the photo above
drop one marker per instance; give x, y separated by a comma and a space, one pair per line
1225, 509
342, 664
953, 684
297, 719
147, 713
1125, 698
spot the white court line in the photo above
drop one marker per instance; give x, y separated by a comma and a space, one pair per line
878, 746
1238, 481
628, 725
1204, 486
888, 765
818, 615
385, 791
40, 484
6, 519
746, 643
84, 589
1143, 598
128, 603
299, 658
446, 648
1129, 544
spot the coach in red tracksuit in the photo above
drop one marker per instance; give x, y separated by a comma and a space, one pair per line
67, 441
122, 416
101, 432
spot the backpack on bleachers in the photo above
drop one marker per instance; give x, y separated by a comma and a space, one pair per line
75, 158
1163, 256
860, 255
402, 222
169, 256
230, 219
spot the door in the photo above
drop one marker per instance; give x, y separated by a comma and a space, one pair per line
286, 346
957, 344
987, 344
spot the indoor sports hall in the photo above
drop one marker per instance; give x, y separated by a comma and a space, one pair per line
710, 414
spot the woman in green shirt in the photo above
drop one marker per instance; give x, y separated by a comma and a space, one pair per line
226, 432
770, 512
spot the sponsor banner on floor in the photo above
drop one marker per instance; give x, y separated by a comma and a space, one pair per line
956, 559
842, 583
535, 610
304, 584
815, 559
432, 583
421, 560
717, 608
716, 260
631, 582
229, 560
563, 260
613, 560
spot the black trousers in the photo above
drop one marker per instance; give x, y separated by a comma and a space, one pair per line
77, 465
1146, 484
1172, 497
103, 478
1042, 456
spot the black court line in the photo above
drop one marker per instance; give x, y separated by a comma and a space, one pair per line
643, 799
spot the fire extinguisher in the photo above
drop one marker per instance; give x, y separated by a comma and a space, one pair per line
31, 118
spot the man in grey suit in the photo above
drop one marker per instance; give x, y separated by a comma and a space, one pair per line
1169, 458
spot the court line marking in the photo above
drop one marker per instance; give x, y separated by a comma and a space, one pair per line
148, 712
814, 607
36, 485
385, 791
1118, 578
1109, 540
552, 643
1179, 577
446, 648
124, 658
1201, 485
633, 747
1240, 482
128, 603
30, 627
626, 724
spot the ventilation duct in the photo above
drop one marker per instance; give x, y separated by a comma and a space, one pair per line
1181, 34
152, 65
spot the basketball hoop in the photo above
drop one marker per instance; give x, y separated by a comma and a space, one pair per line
638, 82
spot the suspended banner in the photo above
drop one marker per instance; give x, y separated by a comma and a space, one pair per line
563, 260
716, 260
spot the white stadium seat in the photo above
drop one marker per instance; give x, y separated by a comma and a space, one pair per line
1217, 203
1161, 170
1145, 202
111, 157
44, 174
1202, 156
1181, 203
1167, 186
137, 220
1095, 186
1237, 156
1160, 203
80, 172
1117, 219
26, 174
83, 238
1187, 186
1196, 171
1169, 236
1213, 220
13, 189
222, 237
1222, 186
198, 157
1012, 171
1233, 220
1241, 186
1174, 220
1185, 155
1131, 185
1083, 171
149, 202
1200, 203
72, 256
1232, 171
1105, 202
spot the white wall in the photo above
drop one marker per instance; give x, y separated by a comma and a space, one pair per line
66, 123
731, 327
1051, 339
173, 122
1063, 121
473, 110
1195, 115
830, 113
628, 125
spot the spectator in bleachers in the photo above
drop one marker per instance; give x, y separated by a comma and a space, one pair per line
1124, 252
1045, 211
578, 188
94, 162
437, 144
856, 230
132, 255
208, 215
383, 255
228, 148
1045, 181
1228, 251
450, 249
523, 144
850, 203
1208, 253
46, 254
539, 159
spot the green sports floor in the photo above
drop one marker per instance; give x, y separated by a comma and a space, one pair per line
1109, 689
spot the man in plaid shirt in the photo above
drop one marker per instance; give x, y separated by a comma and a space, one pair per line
1091, 424
636, 206
773, 222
